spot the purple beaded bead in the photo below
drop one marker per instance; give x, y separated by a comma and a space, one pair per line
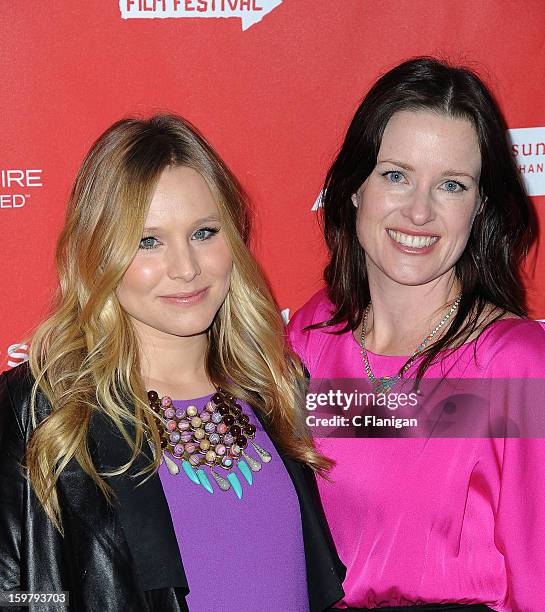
174, 437
228, 439
205, 417
220, 449
180, 413
222, 428
214, 438
210, 407
209, 428
194, 460
169, 413
166, 401
190, 448
171, 425
216, 417
183, 425
178, 450
199, 433
186, 436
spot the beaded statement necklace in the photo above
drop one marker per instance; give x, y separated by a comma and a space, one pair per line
214, 438
384, 384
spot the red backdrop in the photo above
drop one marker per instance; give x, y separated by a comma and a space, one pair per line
271, 83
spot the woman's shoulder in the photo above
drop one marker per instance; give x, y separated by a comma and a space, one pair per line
309, 344
317, 309
16, 383
15, 394
514, 345
514, 332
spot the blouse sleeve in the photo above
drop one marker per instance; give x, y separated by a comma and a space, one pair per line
517, 372
520, 523
303, 341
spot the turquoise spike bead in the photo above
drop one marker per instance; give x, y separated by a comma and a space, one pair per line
246, 472
190, 472
203, 479
235, 483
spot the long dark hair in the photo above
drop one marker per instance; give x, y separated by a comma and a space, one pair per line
501, 234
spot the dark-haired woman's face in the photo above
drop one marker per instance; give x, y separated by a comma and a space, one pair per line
416, 208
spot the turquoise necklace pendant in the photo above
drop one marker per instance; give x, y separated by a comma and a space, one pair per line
384, 384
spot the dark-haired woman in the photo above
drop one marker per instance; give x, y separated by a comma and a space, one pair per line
157, 422
426, 222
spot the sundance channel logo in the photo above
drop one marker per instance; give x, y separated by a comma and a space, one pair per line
528, 149
16, 186
249, 12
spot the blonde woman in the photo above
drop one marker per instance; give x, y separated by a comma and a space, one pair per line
151, 455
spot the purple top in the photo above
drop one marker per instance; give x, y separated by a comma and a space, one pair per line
240, 554
436, 520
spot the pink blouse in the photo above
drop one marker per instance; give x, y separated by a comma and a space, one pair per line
436, 520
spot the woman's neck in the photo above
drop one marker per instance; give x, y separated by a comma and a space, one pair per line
173, 365
402, 316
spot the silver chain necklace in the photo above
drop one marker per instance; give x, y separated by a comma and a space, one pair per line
384, 384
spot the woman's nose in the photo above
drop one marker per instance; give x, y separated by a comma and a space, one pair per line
419, 208
183, 262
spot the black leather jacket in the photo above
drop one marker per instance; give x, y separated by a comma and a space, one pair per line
120, 557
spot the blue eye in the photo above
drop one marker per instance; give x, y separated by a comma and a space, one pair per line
394, 176
204, 233
454, 186
148, 242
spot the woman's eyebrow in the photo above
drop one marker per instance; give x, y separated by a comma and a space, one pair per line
396, 162
212, 217
207, 219
457, 173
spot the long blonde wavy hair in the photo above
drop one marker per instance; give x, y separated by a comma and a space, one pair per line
85, 356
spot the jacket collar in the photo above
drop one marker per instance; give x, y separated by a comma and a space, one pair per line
141, 506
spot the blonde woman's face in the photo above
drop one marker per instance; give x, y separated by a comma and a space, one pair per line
180, 276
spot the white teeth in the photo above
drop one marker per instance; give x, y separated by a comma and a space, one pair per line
415, 242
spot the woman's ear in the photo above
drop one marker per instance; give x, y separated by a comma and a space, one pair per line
355, 199
480, 207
